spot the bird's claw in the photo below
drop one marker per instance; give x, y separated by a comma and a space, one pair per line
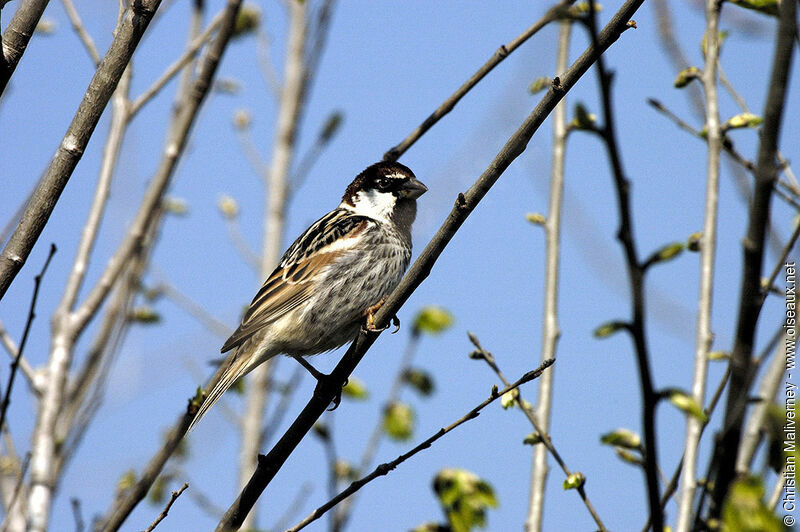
336, 400
370, 322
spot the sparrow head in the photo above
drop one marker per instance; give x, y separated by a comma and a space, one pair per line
384, 191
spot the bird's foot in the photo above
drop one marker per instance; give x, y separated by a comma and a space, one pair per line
321, 380
370, 318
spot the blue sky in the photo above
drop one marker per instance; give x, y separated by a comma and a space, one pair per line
387, 66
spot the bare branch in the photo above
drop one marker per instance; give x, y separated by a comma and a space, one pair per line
504, 51
708, 248
465, 204
121, 509
344, 512
189, 54
767, 170
15, 40
163, 514
111, 151
37, 281
80, 29
636, 272
13, 350
75, 140
550, 328
385, 468
547, 442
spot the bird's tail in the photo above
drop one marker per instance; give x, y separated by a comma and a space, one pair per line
237, 367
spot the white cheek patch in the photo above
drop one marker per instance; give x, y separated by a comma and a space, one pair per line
374, 204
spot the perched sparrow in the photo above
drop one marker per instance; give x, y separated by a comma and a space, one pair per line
332, 277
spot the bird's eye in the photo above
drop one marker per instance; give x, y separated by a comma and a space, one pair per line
383, 183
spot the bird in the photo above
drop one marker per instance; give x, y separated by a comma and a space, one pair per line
331, 280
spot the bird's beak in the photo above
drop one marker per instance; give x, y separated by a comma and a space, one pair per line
413, 189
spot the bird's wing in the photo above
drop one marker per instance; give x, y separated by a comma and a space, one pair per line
294, 280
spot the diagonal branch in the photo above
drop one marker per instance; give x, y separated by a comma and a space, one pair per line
75, 140
31, 315
385, 468
504, 51
465, 204
636, 273
15, 39
767, 169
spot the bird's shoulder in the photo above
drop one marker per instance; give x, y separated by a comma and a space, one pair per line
332, 233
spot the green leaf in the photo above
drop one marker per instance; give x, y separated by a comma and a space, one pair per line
583, 120
228, 207
126, 481
609, 328
627, 456
745, 510
767, 7
420, 380
682, 401
536, 218
398, 421
539, 84
355, 389
574, 481
693, 242
625, 438
432, 320
464, 497
742, 120
686, 76
509, 399
718, 355
158, 491
247, 20
145, 315
665, 253
532, 439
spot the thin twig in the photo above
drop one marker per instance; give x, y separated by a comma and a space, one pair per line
465, 204
74, 143
780, 263
636, 273
385, 468
550, 327
547, 442
13, 350
767, 169
37, 281
297, 503
176, 66
121, 509
75, 503
198, 312
708, 249
242, 246
344, 512
80, 29
165, 511
504, 51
